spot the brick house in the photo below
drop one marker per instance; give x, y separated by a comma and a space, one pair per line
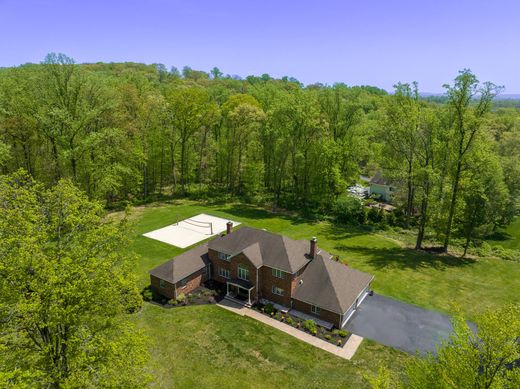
256, 265
181, 274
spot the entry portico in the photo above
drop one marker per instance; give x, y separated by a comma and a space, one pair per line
239, 289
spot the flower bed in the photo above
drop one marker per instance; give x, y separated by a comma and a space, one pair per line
199, 296
336, 337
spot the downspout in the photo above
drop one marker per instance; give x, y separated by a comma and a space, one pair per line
257, 286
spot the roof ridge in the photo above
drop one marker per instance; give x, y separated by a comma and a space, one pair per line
286, 239
332, 275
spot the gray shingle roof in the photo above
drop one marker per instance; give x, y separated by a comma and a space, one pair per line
331, 285
264, 248
378, 179
183, 265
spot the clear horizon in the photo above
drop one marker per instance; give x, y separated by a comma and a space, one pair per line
375, 42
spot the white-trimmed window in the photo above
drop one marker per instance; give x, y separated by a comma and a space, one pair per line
162, 284
277, 290
243, 273
278, 273
224, 257
316, 310
183, 282
224, 272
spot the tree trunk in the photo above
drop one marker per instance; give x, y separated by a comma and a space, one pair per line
453, 203
409, 201
57, 172
183, 166
424, 217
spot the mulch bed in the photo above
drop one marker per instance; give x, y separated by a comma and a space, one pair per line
335, 337
199, 296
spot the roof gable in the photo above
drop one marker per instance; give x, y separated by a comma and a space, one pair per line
264, 248
254, 254
183, 265
331, 285
378, 179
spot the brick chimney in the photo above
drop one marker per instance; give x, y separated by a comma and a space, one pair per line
229, 227
314, 247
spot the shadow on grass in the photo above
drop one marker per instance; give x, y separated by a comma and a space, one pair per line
253, 212
341, 231
500, 236
402, 258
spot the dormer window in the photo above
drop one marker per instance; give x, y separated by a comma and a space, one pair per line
224, 257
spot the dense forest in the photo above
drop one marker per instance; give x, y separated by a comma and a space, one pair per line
132, 132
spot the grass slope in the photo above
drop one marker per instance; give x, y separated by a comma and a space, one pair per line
207, 346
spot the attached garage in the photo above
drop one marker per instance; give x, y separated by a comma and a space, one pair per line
348, 314
332, 287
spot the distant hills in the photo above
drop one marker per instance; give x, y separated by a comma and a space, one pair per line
505, 96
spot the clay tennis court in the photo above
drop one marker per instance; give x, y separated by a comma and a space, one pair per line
189, 231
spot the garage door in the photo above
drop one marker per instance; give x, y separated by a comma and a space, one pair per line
354, 306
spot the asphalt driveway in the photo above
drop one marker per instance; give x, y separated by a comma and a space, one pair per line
399, 325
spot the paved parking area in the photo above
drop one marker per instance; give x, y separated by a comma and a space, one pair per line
403, 326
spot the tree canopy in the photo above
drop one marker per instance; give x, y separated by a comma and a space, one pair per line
65, 291
132, 132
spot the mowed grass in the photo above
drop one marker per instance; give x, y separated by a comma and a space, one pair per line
207, 346
509, 238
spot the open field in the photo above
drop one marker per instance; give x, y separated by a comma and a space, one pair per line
206, 345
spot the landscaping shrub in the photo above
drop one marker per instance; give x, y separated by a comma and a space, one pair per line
328, 337
374, 215
342, 333
269, 308
289, 320
181, 298
172, 302
349, 210
310, 326
147, 294
391, 219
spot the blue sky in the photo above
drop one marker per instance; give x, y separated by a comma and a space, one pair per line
375, 42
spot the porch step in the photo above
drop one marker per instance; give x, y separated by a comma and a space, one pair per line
237, 301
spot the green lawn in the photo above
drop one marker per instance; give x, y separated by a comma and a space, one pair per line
509, 238
209, 347
206, 345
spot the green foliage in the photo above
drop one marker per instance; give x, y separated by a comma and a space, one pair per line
66, 288
147, 294
349, 210
310, 326
486, 250
376, 215
474, 360
383, 380
289, 320
181, 298
132, 132
269, 308
5, 153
